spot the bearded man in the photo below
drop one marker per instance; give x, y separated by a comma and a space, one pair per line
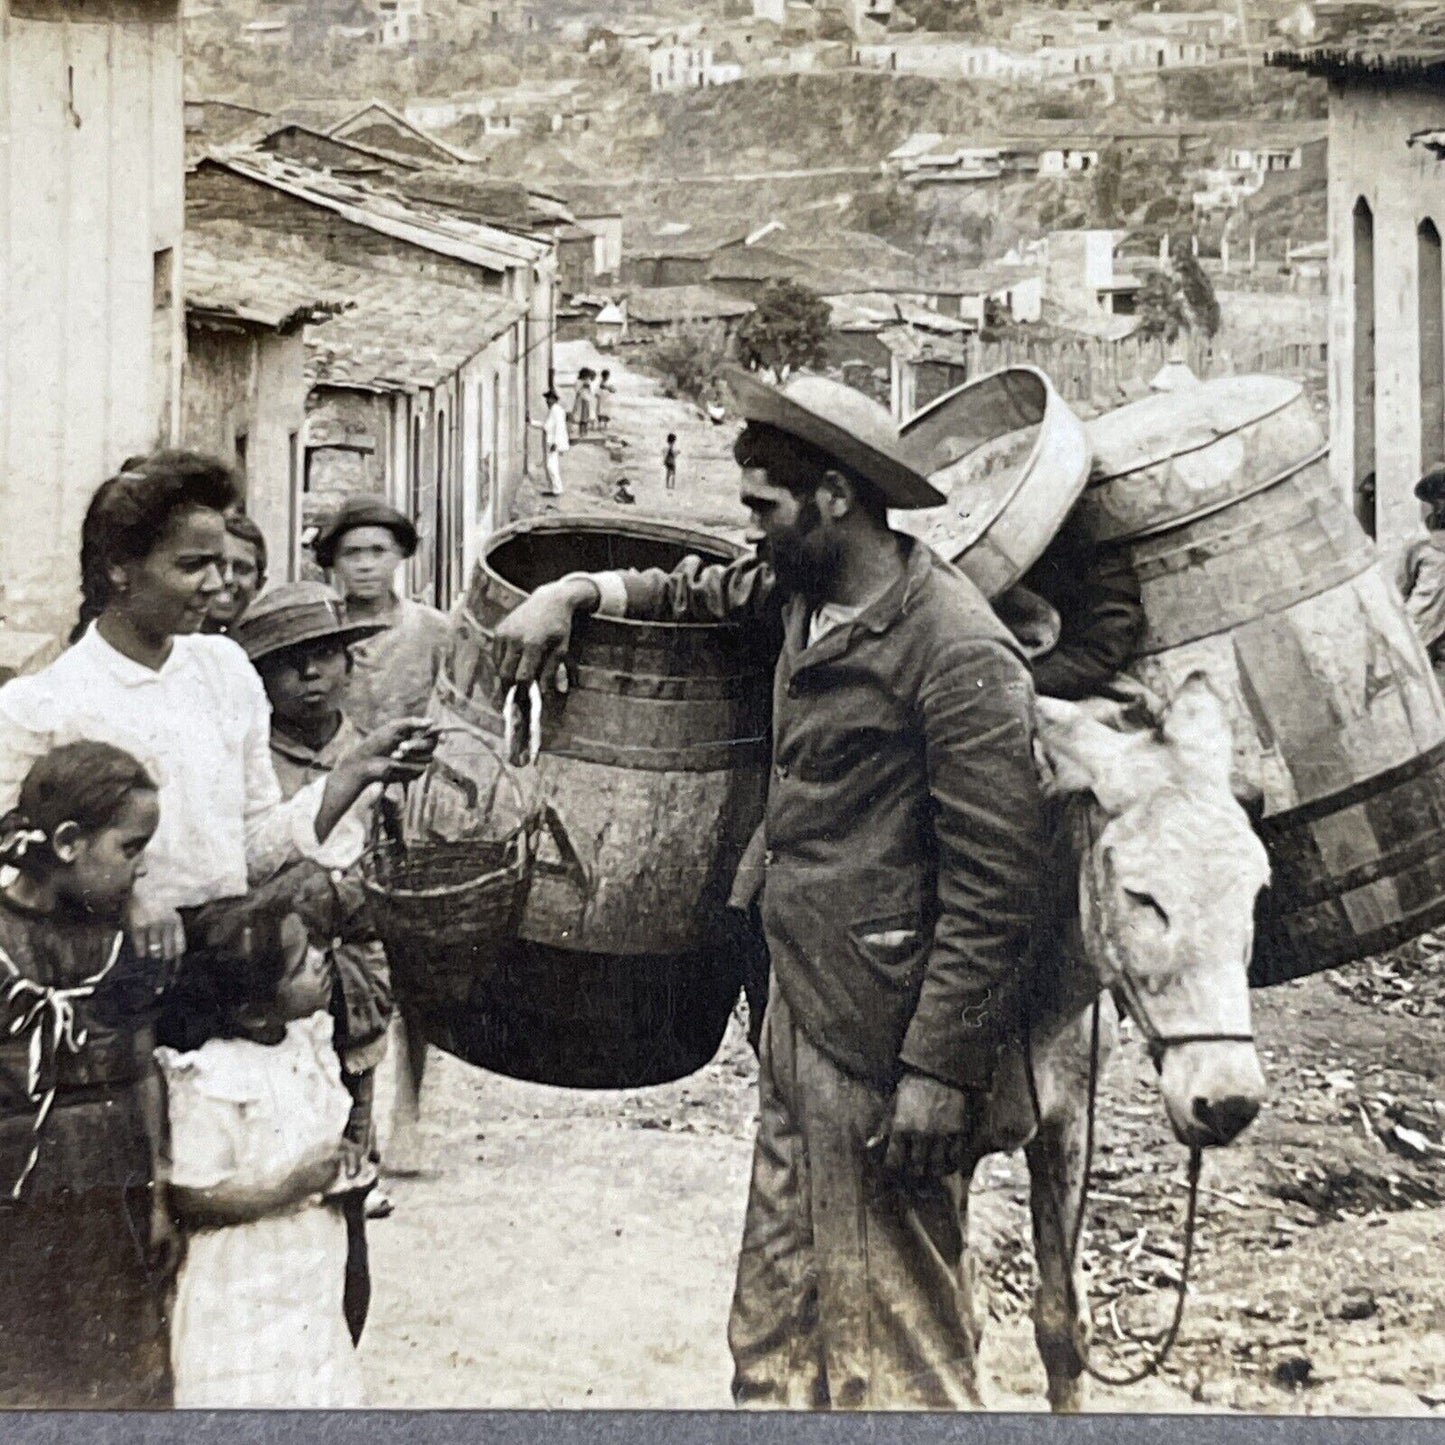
900, 864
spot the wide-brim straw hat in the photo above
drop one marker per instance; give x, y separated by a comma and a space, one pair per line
839, 420
364, 511
297, 612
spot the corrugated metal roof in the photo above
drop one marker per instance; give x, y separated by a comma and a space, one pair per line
389, 331
438, 230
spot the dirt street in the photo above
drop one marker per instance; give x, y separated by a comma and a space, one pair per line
576, 1249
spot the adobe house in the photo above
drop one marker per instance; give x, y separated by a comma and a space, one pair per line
1387, 301
92, 328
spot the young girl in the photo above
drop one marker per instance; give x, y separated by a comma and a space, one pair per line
81, 1323
257, 1112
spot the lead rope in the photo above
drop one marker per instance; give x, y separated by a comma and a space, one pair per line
1162, 1344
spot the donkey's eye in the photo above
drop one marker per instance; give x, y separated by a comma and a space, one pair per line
1148, 902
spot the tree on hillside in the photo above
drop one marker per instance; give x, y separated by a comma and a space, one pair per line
789, 329
688, 357
1196, 287
1109, 187
949, 16
1162, 310
885, 210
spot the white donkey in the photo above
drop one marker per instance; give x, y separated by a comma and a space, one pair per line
1157, 878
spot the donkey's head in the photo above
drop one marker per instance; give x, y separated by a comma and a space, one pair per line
1169, 873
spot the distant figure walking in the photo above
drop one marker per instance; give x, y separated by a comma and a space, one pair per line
556, 441
584, 402
605, 392
669, 462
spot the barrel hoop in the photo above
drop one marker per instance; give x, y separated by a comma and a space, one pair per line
1361, 792
585, 677
1269, 605
718, 755
1210, 508
1291, 400
1397, 860
1354, 946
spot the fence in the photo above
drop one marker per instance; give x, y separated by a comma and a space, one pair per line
1108, 373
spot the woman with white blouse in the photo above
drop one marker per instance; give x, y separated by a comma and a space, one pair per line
189, 706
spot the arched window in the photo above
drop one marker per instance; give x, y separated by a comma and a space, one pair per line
1432, 345
1364, 364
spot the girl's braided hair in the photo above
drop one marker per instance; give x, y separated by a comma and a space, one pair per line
130, 512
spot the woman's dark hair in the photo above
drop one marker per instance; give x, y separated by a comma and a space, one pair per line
243, 529
798, 466
129, 514
84, 783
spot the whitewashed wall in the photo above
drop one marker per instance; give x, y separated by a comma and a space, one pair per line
91, 188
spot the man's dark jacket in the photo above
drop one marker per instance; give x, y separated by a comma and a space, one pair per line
1096, 594
903, 832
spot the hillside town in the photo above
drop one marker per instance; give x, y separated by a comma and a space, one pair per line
511, 293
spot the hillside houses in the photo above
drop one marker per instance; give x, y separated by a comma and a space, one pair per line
1063, 44
680, 64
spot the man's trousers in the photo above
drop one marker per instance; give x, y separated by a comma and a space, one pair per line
853, 1287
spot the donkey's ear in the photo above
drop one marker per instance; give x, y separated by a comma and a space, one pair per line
1085, 755
1197, 726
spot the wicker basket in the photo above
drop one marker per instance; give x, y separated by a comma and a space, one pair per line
447, 908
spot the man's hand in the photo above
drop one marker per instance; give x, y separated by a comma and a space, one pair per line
928, 1129
531, 641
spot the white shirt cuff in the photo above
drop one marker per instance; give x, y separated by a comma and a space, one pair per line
611, 593
346, 841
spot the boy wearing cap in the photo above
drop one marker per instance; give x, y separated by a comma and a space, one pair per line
394, 670
1421, 573
899, 869
392, 676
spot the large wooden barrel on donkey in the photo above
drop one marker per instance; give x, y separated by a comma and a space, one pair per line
653, 767
1254, 570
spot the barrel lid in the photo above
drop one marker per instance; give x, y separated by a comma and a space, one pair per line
1170, 423
1179, 455
1011, 457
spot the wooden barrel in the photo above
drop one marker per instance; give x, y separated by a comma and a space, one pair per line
653, 771
1254, 571
1011, 458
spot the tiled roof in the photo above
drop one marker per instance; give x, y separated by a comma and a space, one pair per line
225, 278
698, 241
1413, 43
657, 305
874, 311
762, 263
391, 331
